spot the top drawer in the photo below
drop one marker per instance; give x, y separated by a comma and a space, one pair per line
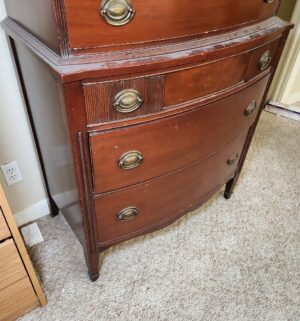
114, 23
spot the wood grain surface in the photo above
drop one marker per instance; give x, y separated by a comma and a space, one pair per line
165, 20
171, 143
4, 230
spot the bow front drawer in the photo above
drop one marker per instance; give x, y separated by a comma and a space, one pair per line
122, 213
130, 155
115, 23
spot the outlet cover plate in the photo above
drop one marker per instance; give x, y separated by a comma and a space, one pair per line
12, 173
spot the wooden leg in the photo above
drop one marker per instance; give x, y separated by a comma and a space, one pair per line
92, 262
229, 188
54, 210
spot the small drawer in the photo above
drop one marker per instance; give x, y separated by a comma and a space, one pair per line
189, 84
261, 59
123, 157
4, 231
124, 213
115, 100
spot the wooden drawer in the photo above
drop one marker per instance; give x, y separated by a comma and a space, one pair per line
4, 231
170, 143
11, 266
130, 98
261, 59
114, 100
194, 83
153, 202
17, 299
156, 21
151, 94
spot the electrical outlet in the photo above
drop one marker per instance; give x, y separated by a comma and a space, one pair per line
12, 173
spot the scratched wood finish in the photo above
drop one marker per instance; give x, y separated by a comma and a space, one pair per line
171, 143
200, 81
180, 191
256, 55
99, 98
163, 20
202, 107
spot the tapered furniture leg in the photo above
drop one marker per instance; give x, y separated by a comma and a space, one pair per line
229, 188
93, 266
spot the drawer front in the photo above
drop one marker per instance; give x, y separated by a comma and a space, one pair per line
116, 100
127, 156
17, 299
196, 82
131, 98
132, 22
261, 59
11, 266
122, 213
4, 231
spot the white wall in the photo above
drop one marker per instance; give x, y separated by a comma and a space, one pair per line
286, 86
27, 198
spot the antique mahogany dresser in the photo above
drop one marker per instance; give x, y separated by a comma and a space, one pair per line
142, 110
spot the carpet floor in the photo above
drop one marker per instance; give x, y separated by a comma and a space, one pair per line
230, 260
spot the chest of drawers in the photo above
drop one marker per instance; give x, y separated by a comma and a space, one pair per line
142, 110
20, 290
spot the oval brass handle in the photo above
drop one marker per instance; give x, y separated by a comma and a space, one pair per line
269, 1
264, 61
250, 109
127, 214
127, 101
233, 158
117, 12
130, 160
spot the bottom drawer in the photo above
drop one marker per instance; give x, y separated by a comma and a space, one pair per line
124, 213
16, 292
17, 299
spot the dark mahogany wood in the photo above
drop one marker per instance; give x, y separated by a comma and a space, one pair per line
42, 24
165, 20
253, 65
194, 63
161, 198
232, 183
100, 97
185, 85
169, 144
154, 60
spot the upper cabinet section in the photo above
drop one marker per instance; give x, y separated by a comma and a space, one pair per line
102, 25
117, 23
38, 17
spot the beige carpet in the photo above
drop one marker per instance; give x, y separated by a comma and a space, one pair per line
230, 260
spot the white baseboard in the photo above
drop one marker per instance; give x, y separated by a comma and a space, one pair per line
32, 213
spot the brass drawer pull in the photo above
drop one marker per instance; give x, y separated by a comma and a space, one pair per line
233, 158
250, 109
264, 61
127, 214
130, 160
269, 1
117, 12
127, 101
